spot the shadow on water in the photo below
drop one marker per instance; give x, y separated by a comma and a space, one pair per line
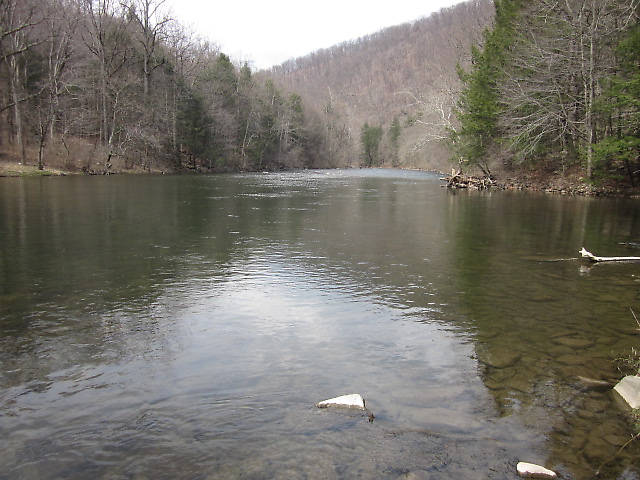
184, 326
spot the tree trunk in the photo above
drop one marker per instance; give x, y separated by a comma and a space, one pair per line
244, 142
174, 116
103, 94
43, 134
17, 114
147, 74
591, 87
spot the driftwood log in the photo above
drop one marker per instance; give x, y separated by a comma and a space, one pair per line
586, 254
459, 180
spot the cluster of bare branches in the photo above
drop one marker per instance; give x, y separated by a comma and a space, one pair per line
436, 112
562, 52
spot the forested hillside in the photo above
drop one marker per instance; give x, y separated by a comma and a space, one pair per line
555, 87
500, 87
104, 85
387, 98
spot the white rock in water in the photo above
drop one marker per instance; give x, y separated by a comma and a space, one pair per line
629, 389
353, 400
532, 470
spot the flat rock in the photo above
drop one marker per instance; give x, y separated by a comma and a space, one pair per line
531, 470
629, 389
416, 475
500, 358
353, 400
594, 384
571, 359
573, 342
595, 449
615, 440
520, 384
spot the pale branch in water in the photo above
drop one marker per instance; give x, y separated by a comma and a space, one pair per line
634, 316
593, 258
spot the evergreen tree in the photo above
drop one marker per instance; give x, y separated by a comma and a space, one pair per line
370, 138
621, 100
222, 79
394, 139
478, 106
194, 128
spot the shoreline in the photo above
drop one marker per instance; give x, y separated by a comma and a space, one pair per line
567, 185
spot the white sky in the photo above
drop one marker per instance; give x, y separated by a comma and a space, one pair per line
268, 32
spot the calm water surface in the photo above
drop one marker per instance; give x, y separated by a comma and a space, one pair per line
184, 327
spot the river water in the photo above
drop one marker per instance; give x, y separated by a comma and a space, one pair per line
185, 326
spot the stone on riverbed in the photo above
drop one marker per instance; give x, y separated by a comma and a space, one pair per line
499, 358
594, 384
531, 470
353, 400
573, 342
629, 390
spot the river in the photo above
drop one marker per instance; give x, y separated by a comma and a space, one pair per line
185, 326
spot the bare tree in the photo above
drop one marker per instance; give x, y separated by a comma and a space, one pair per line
436, 112
106, 37
61, 22
16, 22
152, 23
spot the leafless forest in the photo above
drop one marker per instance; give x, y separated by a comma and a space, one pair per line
103, 86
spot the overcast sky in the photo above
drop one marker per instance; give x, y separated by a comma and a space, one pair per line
269, 32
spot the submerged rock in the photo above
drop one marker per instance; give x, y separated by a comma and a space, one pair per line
353, 400
416, 475
615, 440
573, 342
594, 384
571, 360
629, 389
500, 358
531, 470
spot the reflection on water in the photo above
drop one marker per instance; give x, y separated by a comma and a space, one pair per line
184, 327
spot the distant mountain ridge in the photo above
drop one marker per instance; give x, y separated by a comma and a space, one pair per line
394, 73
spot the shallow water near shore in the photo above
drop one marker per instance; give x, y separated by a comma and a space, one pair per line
184, 327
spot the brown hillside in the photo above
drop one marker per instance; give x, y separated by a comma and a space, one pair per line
407, 71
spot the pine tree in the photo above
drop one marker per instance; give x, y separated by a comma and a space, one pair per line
621, 100
394, 133
479, 106
370, 138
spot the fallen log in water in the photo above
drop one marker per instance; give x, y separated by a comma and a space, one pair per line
459, 180
586, 254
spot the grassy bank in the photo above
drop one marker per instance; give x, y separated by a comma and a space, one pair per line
15, 169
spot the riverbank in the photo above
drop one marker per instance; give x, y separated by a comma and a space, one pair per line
571, 182
12, 168
15, 169
567, 183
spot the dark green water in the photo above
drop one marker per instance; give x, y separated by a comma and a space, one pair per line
184, 327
